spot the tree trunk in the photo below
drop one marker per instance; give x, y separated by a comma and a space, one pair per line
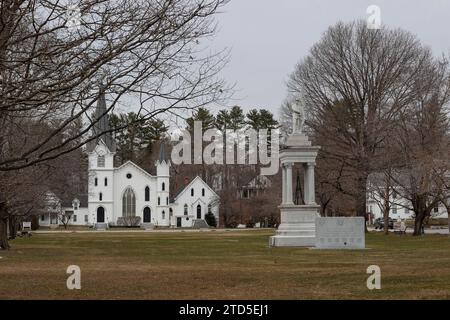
418, 222
387, 205
361, 194
12, 227
420, 210
4, 245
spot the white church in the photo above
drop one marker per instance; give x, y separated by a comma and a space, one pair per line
129, 193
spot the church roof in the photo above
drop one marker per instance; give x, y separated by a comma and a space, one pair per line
101, 129
186, 187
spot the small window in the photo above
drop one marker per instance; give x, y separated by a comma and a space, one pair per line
147, 194
42, 217
192, 192
74, 218
159, 201
86, 218
75, 205
394, 209
163, 186
170, 212
100, 196
167, 201
129, 175
163, 215
436, 209
101, 161
96, 182
185, 209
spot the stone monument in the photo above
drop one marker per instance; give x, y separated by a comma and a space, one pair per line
297, 227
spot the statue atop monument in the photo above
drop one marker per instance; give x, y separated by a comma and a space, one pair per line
298, 116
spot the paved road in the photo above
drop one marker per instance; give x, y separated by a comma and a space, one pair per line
410, 230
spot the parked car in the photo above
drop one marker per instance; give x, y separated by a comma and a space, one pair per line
379, 223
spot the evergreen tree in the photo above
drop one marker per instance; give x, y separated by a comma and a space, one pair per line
134, 135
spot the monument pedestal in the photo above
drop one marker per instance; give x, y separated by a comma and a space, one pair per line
298, 226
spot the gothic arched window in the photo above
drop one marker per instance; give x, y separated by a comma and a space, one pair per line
163, 186
147, 194
106, 182
128, 203
192, 192
159, 201
185, 209
203, 192
100, 196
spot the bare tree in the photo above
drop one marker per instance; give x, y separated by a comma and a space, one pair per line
54, 66
354, 81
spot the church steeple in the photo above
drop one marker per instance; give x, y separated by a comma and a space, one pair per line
101, 128
162, 153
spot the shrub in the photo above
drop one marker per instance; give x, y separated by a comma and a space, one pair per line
211, 219
129, 221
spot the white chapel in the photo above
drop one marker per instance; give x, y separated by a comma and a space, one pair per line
129, 193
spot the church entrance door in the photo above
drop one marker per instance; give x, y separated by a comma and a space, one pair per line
100, 215
147, 215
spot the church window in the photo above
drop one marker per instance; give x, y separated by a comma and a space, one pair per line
192, 192
203, 192
129, 176
185, 209
163, 186
86, 218
167, 201
101, 161
74, 218
100, 196
96, 182
42, 217
147, 194
106, 182
159, 201
128, 203
163, 215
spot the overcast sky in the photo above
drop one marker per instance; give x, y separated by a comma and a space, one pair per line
268, 37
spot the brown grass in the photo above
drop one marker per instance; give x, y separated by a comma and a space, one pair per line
220, 265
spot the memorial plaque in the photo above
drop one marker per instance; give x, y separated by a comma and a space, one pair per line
340, 233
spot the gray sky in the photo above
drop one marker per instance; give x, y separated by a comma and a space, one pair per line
268, 37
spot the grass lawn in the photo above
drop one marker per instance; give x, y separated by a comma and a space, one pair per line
220, 265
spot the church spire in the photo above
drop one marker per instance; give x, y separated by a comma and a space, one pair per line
101, 128
162, 152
